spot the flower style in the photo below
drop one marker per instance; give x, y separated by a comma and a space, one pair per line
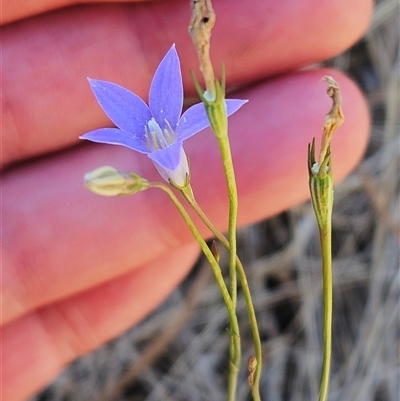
157, 130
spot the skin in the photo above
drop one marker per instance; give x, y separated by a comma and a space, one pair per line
78, 269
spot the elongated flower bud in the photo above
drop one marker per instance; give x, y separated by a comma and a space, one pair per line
108, 181
320, 173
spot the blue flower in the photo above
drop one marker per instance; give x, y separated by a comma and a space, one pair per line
157, 130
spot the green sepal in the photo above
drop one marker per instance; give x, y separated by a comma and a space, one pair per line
321, 186
215, 109
311, 157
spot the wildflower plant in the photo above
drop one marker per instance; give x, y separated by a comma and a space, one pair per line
159, 129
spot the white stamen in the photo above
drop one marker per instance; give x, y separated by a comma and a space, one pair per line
157, 139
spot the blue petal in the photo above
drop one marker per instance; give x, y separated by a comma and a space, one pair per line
115, 136
195, 118
233, 105
172, 164
168, 157
166, 91
125, 109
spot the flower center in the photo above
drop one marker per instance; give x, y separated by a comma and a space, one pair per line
156, 138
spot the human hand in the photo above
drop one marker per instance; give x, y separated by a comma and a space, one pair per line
78, 269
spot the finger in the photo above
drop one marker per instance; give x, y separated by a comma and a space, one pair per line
60, 239
38, 345
13, 11
47, 102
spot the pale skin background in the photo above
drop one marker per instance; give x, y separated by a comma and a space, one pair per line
78, 269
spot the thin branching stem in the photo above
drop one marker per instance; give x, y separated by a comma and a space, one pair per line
234, 334
188, 195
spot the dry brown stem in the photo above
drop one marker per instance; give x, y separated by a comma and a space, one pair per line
334, 119
201, 24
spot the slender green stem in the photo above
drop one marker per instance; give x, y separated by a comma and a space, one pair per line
234, 334
223, 142
217, 115
188, 195
233, 209
326, 240
216, 112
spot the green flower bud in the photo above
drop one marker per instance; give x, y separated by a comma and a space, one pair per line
108, 181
